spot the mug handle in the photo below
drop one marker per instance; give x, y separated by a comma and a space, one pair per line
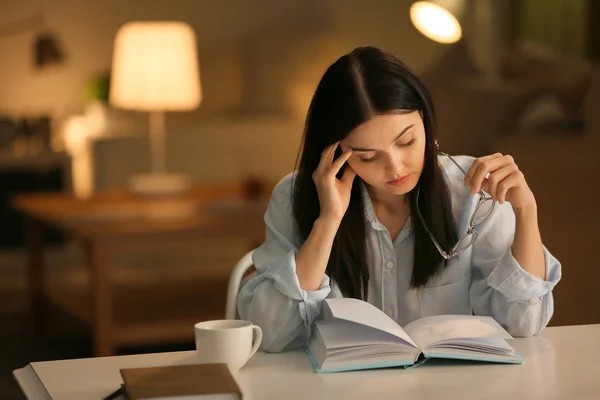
258, 331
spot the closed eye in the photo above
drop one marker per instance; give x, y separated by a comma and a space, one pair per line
367, 160
376, 156
409, 143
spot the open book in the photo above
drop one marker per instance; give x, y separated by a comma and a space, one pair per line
354, 334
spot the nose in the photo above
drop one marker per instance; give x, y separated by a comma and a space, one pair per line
392, 166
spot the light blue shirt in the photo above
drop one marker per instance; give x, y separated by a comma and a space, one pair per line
485, 279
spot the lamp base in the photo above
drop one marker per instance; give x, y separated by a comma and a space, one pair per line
160, 184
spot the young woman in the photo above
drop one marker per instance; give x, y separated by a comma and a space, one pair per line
376, 211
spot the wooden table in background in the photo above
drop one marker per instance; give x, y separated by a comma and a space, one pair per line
117, 220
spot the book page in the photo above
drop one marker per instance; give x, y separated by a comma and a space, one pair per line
364, 313
340, 334
484, 344
429, 330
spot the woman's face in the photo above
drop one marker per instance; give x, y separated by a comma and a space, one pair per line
388, 152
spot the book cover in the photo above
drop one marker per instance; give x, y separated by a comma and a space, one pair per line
176, 381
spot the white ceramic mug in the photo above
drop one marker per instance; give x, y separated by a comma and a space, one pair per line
226, 341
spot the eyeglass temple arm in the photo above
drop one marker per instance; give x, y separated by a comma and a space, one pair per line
437, 245
481, 192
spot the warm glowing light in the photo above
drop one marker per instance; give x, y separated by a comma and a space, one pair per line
435, 22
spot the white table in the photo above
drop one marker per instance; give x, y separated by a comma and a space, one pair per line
561, 363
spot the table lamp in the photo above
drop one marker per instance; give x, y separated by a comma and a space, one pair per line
155, 69
439, 20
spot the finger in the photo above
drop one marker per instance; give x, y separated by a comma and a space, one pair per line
337, 164
476, 164
513, 180
488, 166
485, 186
490, 184
327, 156
331, 154
348, 176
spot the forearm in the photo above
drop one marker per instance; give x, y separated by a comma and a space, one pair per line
313, 256
276, 313
519, 318
527, 247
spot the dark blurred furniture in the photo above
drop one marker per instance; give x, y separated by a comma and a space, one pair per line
22, 174
113, 221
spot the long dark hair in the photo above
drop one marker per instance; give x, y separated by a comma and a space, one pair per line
359, 85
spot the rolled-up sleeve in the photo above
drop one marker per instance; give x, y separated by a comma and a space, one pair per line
518, 300
272, 298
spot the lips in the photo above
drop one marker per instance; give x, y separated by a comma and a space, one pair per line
398, 181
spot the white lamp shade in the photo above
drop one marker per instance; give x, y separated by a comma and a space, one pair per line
439, 20
155, 67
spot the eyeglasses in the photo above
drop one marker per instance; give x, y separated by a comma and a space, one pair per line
482, 211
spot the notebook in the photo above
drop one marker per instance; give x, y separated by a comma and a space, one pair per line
355, 335
181, 382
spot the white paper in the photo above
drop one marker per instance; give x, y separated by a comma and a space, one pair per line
429, 330
340, 334
364, 313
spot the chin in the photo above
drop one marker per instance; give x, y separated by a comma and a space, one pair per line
397, 190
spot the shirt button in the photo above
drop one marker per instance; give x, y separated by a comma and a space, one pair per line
533, 301
389, 313
389, 265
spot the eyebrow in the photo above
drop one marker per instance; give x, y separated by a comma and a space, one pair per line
395, 140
